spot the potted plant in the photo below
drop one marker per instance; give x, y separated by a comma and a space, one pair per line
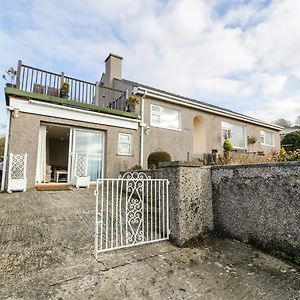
11, 73
131, 102
227, 146
251, 140
64, 91
82, 180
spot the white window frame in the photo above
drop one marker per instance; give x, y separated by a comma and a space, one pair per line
159, 115
236, 124
129, 143
263, 135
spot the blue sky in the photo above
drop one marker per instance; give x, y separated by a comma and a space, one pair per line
242, 55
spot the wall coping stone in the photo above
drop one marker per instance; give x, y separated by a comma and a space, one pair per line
268, 165
175, 164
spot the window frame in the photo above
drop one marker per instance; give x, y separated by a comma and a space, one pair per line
159, 116
263, 134
129, 143
244, 130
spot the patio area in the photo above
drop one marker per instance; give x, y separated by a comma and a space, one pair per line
46, 243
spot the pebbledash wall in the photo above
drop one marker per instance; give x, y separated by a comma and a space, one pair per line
258, 203
190, 197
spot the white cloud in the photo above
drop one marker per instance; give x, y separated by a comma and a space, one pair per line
275, 109
243, 59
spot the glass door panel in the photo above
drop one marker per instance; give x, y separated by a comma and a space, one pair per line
90, 143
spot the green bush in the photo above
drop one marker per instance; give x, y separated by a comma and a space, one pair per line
156, 157
2, 143
283, 155
291, 141
227, 146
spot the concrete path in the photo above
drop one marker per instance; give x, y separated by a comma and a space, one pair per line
46, 243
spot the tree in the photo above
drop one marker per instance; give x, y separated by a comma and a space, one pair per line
2, 143
291, 141
283, 123
297, 122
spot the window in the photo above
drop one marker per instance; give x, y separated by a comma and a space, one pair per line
237, 134
165, 117
267, 138
124, 145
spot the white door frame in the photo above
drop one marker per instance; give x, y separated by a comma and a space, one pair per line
72, 151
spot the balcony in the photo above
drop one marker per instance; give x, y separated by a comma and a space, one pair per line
81, 93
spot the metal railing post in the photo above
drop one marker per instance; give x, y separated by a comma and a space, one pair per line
97, 93
62, 79
18, 75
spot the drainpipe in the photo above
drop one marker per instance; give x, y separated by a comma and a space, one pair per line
142, 125
4, 172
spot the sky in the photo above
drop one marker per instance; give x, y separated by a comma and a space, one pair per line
239, 54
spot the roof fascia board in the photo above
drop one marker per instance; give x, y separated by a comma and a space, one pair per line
184, 102
64, 112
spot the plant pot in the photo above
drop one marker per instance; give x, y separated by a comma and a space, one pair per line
11, 85
83, 181
64, 96
17, 185
130, 107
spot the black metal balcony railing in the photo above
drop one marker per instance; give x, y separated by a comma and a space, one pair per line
36, 80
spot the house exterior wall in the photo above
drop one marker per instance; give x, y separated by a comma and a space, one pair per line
179, 143
24, 135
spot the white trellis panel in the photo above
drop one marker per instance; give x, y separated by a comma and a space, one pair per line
81, 164
131, 210
81, 178
17, 180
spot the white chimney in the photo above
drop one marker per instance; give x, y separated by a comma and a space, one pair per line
113, 69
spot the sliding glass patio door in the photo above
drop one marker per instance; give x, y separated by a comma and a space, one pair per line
90, 143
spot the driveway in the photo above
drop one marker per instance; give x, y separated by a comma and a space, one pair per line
46, 242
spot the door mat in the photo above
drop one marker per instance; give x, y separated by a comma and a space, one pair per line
53, 187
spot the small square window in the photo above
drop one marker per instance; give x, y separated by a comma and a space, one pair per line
124, 144
267, 138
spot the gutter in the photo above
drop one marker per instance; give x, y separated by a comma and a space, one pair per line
4, 172
217, 111
142, 125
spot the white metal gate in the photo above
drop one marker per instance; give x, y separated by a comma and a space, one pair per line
131, 210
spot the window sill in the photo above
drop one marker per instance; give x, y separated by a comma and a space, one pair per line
125, 155
166, 128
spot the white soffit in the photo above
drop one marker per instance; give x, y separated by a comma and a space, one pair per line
65, 112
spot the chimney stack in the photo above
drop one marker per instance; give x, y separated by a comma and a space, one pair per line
113, 69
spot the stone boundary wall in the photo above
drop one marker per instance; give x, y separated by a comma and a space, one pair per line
190, 202
259, 204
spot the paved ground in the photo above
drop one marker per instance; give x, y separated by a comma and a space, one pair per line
45, 252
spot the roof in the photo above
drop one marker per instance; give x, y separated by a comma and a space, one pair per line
200, 103
290, 129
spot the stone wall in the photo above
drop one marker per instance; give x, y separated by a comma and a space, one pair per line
189, 200
259, 204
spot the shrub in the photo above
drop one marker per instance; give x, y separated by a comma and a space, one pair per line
156, 157
287, 155
291, 141
2, 143
136, 167
243, 158
227, 146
